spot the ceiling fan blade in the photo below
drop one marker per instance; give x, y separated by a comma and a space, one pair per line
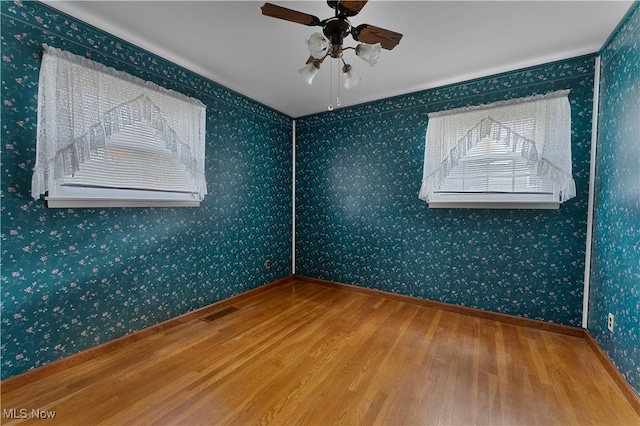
351, 8
291, 15
369, 34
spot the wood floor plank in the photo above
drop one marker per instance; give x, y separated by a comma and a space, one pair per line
303, 353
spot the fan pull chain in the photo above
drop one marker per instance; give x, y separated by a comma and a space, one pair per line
338, 87
330, 107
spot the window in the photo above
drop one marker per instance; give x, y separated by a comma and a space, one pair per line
106, 138
508, 154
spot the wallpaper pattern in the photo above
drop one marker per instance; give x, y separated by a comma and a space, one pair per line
615, 274
72, 279
359, 220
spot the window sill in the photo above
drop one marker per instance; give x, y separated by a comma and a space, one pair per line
67, 197
67, 203
492, 201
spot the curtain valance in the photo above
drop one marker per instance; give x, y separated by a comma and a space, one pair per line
82, 104
537, 127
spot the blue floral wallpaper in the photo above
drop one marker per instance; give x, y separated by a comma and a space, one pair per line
359, 220
615, 266
72, 279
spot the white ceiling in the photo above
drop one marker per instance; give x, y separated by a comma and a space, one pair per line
231, 43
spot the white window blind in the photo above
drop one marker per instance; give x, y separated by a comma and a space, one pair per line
508, 154
106, 138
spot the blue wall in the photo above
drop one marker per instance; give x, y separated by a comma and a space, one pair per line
615, 273
74, 278
359, 220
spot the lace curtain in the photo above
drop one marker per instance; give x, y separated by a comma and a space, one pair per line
82, 103
545, 140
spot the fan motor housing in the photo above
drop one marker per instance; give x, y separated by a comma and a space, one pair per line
336, 29
340, 10
332, 3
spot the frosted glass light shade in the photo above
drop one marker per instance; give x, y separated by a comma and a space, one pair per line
318, 45
351, 79
369, 52
309, 71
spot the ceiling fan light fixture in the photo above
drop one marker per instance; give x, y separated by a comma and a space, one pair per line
318, 45
329, 43
369, 52
351, 79
309, 71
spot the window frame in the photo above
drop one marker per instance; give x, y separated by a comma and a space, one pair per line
174, 134
548, 198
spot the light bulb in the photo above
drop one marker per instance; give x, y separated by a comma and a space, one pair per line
369, 52
309, 71
351, 79
318, 45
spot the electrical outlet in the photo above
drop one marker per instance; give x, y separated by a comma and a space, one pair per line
610, 322
267, 264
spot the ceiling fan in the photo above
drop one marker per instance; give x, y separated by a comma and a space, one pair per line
329, 43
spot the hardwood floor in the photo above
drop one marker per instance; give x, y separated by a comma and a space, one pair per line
302, 353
